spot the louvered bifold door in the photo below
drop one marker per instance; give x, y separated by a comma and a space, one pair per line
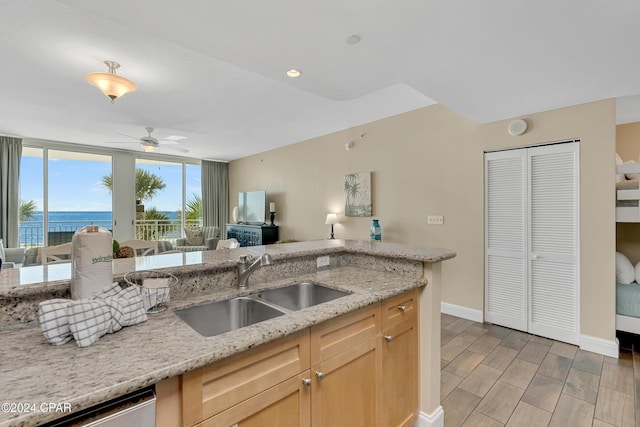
553, 241
505, 238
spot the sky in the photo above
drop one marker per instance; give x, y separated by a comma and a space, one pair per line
76, 185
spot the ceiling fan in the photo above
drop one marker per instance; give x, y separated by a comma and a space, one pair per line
151, 144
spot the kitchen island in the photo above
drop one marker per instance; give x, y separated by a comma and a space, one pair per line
164, 347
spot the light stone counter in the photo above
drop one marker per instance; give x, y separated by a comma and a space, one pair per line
34, 372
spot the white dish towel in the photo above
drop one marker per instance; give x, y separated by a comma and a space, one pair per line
88, 320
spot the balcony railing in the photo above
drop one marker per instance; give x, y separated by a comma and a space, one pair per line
59, 232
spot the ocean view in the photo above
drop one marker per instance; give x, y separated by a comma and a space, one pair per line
65, 222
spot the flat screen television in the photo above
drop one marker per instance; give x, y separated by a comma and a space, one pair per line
252, 207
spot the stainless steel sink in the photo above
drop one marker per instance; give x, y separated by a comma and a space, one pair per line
300, 295
223, 316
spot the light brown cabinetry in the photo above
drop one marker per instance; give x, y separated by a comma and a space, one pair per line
340, 372
400, 361
345, 370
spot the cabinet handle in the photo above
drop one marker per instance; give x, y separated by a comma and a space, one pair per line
388, 338
306, 382
320, 375
402, 307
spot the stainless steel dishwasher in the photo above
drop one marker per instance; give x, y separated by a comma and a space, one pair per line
134, 409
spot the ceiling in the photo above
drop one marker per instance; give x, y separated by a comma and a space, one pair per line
214, 71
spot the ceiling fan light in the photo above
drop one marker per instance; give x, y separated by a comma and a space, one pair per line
149, 147
111, 84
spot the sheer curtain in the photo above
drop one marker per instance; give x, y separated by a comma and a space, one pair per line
215, 194
10, 154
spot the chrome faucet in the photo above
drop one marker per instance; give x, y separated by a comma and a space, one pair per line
245, 269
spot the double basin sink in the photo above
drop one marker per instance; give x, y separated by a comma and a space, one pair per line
223, 316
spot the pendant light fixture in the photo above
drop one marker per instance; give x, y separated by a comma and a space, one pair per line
109, 83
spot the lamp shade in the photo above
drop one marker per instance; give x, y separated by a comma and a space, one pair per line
331, 219
109, 83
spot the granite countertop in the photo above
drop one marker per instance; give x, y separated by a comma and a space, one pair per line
35, 372
33, 279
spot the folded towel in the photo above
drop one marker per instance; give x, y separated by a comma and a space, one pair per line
132, 304
88, 320
52, 315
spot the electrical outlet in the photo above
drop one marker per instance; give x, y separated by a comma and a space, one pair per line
435, 219
323, 261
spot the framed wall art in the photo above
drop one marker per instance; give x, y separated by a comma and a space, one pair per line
357, 192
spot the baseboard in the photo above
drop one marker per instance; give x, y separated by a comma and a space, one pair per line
436, 419
463, 312
598, 345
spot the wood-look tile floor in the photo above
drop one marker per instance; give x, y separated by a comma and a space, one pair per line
494, 376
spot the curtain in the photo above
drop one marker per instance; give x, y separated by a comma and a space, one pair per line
215, 194
10, 154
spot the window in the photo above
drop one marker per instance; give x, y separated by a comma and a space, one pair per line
165, 190
76, 196
31, 197
80, 192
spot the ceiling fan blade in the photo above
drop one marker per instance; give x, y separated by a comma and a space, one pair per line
119, 142
168, 142
175, 138
182, 150
129, 136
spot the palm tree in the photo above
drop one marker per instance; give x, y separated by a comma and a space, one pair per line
193, 208
147, 184
27, 210
352, 190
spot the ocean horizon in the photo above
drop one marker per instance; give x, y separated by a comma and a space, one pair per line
31, 231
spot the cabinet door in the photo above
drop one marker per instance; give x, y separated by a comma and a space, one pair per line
399, 405
344, 388
286, 404
346, 369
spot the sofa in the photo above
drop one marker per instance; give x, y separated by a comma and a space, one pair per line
13, 258
198, 239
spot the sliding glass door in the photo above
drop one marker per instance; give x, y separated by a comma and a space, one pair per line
75, 196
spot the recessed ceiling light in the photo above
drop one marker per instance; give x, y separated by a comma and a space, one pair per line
292, 72
354, 39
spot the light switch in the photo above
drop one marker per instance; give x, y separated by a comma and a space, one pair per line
435, 219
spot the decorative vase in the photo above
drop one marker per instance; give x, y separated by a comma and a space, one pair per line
376, 231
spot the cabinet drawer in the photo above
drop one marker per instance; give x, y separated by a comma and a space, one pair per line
286, 404
214, 388
399, 308
338, 335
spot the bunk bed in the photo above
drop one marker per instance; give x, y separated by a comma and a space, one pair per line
628, 210
628, 193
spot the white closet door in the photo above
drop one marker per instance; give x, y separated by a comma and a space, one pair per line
505, 238
553, 242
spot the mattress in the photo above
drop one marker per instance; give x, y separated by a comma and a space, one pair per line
628, 299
